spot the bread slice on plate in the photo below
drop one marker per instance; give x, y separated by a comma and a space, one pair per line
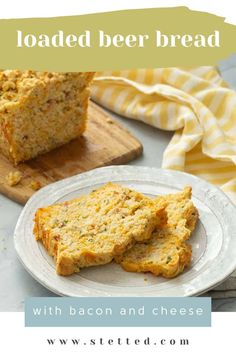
166, 253
180, 209
94, 228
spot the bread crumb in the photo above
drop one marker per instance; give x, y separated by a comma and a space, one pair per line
35, 185
109, 120
13, 178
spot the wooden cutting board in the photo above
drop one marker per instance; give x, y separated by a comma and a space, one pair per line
105, 142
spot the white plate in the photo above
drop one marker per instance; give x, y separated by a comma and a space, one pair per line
213, 242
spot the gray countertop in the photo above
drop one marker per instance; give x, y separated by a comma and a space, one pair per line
15, 283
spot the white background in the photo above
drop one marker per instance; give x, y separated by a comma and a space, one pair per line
218, 339
14, 337
48, 8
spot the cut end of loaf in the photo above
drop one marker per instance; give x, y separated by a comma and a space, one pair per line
40, 111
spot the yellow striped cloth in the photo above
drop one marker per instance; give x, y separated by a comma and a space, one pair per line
195, 103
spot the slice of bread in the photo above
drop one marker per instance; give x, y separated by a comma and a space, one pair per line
92, 229
180, 209
166, 253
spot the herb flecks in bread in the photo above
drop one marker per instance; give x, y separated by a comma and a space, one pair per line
93, 229
166, 253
